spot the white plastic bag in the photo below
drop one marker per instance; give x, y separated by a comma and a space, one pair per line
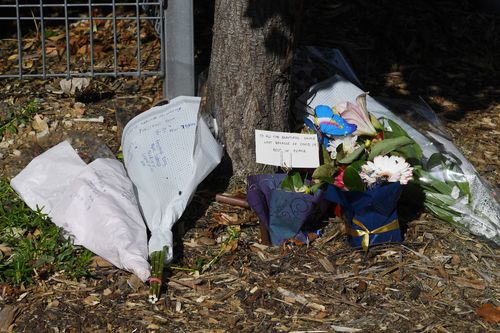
168, 150
94, 203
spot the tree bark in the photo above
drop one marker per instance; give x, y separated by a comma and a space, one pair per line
248, 84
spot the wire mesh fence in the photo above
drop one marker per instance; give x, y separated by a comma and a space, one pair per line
76, 38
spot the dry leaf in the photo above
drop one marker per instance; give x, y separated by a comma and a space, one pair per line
69, 86
192, 243
135, 283
28, 64
6, 250
345, 329
56, 38
51, 51
153, 327
327, 265
207, 241
27, 45
53, 304
231, 246
489, 313
226, 219
470, 283
39, 124
107, 292
91, 300
78, 109
98, 261
7, 316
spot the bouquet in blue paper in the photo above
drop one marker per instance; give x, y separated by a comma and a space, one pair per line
366, 161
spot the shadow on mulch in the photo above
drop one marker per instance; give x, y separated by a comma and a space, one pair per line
445, 51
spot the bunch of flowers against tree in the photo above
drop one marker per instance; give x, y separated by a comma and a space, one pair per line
366, 161
361, 152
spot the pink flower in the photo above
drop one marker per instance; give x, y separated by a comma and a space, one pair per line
358, 115
339, 180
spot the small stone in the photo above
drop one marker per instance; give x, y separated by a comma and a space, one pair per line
114, 128
67, 123
16, 152
4, 144
32, 133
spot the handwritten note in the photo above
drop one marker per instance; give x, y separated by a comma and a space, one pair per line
286, 149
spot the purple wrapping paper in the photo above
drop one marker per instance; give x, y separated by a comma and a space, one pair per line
284, 214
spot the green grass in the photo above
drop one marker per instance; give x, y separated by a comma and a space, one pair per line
31, 246
13, 119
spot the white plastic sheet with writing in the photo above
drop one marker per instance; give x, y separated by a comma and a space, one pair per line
94, 203
167, 152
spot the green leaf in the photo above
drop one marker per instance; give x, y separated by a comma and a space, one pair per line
396, 130
349, 158
438, 198
411, 152
358, 164
352, 180
442, 213
287, 183
297, 180
435, 160
386, 146
464, 188
324, 171
314, 188
11, 129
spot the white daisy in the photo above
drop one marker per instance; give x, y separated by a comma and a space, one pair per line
388, 169
348, 142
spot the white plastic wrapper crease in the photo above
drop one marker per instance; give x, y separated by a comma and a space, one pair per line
167, 152
480, 216
95, 204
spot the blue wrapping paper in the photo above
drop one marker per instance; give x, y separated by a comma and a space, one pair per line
365, 212
284, 214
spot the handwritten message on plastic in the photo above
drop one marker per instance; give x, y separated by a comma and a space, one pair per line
286, 149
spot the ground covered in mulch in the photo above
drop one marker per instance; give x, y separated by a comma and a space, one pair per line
435, 281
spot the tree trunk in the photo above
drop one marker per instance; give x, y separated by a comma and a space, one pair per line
248, 84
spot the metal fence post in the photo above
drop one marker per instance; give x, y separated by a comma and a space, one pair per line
179, 62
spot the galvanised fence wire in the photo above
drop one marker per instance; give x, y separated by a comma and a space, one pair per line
23, 17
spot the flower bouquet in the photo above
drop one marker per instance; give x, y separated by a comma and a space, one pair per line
447, 183
366, 161
287, 207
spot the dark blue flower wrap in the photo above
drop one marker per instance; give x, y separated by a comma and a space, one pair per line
371, 215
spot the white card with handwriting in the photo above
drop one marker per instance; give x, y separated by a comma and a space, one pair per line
292, 150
